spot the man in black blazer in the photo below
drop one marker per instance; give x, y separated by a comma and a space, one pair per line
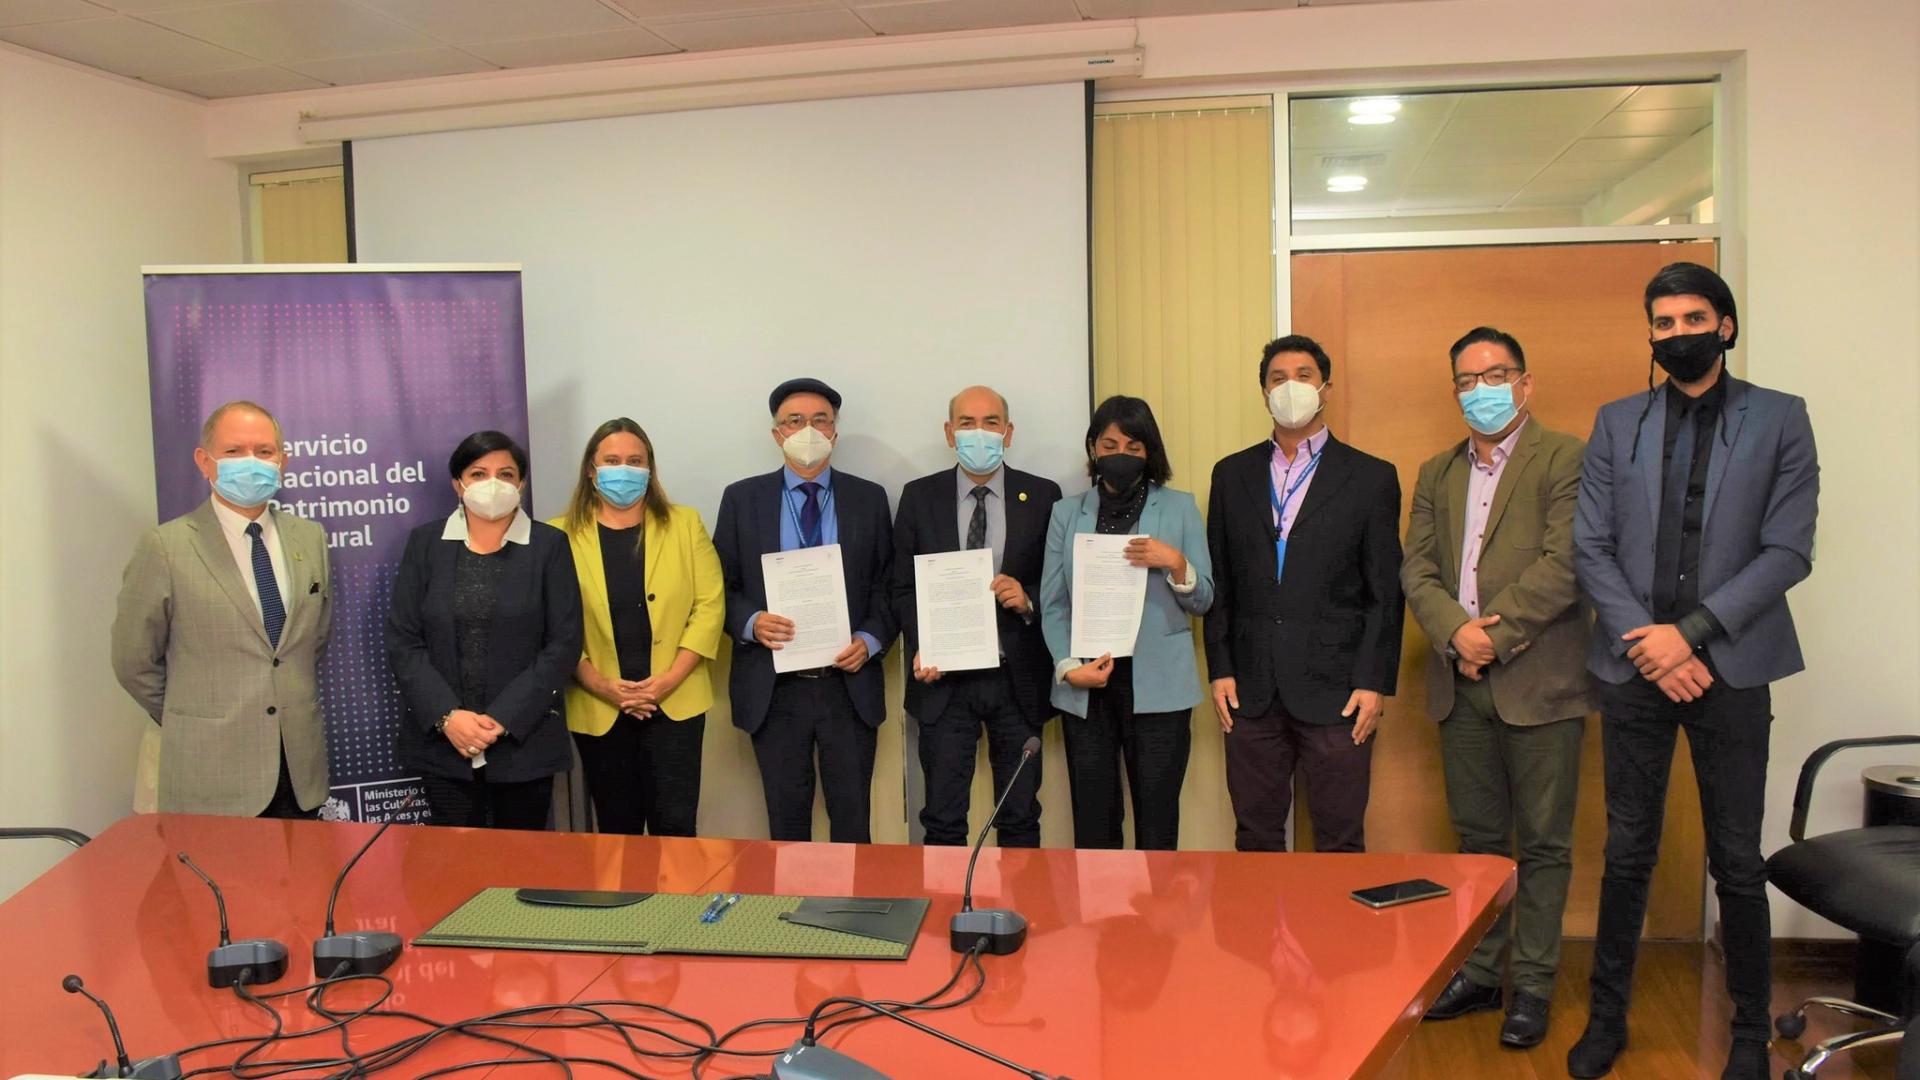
1303, 640
835, 710
980, 503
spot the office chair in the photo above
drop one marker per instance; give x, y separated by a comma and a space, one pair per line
69, 836
1867, 880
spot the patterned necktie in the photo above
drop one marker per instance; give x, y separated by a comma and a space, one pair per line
810, 515
272, 611
977, 527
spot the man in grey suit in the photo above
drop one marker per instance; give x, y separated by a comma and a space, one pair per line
223, 614
1696, 515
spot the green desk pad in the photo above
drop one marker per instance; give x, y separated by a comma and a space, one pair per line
662, 923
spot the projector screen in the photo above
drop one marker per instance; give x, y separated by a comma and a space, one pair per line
678, 266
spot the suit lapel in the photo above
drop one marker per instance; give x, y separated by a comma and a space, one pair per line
593, 577
1649, 447
293, 564
775, 510
1510, 475
946, 519
656, 538
1733, 416
1257, 475
1328, 478
1452, 516
211, 544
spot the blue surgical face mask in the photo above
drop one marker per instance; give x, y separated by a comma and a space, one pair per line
1489, 409
980, 452
246, 481
621, 485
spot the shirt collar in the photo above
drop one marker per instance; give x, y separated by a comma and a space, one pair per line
519, 530
791, 479
234, 523
1501, 452
1314, 444
997, 483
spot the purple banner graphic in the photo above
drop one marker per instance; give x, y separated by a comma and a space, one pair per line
375, 376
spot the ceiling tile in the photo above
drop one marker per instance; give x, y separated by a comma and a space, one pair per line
1673, 96
1607, 171
281, 30
1653, 122
1142, 9
668, 9
391, 67
1494, 151
935, 16
458, 22
1634, 149
570, 49
239, 82
1591, 101
748, 31
28, 12
1512, 176
124, 46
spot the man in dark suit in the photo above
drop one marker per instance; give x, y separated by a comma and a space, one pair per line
1489, 577
1696, 515
1303, 640
835, 710
980, 503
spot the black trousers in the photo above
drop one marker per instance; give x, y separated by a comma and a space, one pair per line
644, 775
1727, 733
1154, 748
285, 804
806, 716
1269, 753
476, 804
949, 745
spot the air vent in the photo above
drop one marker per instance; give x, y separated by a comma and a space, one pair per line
1341, 162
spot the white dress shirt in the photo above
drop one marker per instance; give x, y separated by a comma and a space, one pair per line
233, 525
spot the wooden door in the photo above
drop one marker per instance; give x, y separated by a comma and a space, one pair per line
1387, 318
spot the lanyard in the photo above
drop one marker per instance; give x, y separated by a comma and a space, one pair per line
826, 500
1280, 504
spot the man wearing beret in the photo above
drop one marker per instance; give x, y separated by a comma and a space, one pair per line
833, 711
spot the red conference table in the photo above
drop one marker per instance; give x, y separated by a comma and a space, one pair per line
1138, 964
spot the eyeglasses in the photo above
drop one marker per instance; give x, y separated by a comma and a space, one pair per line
791, 424
1499, 376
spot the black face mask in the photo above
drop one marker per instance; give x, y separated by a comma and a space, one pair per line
1688, 357
1120, 471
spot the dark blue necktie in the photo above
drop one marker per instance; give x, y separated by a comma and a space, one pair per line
271, 609
810, 516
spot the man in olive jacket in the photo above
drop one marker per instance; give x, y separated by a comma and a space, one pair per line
1489, 576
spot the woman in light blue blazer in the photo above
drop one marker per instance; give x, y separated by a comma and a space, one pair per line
1135, 710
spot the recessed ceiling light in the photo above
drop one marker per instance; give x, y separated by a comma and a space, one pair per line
1371, 118
1346, 183
1374, 106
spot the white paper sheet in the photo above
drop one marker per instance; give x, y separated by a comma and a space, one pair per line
808, 586
1109, 595
953, 592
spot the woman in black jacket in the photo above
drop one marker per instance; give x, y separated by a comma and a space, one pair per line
483, 634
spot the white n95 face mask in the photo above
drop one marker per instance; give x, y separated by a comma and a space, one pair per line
1294, 404
490, 499
807, 447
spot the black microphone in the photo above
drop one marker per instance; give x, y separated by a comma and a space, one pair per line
165, 1067
1003, 929
263, 960
808, 1060
366, 952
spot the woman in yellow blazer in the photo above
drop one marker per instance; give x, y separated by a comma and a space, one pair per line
653, 601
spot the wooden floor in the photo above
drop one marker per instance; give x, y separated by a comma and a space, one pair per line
1677, 1030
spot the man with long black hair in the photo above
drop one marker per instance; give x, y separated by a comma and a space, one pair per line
1696, 515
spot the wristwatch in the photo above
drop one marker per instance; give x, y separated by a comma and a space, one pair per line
440, 725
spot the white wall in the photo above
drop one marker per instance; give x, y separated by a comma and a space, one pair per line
96, 178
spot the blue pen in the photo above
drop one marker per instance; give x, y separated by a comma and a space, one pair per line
732, 899
713, 907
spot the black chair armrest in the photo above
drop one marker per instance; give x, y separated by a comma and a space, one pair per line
1803, 792
70, 836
